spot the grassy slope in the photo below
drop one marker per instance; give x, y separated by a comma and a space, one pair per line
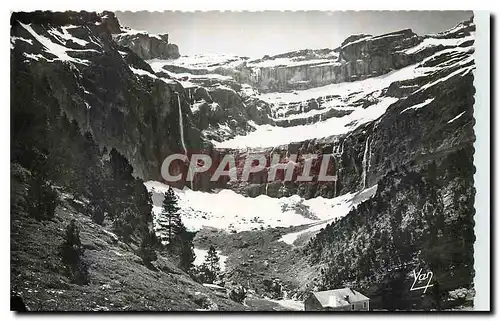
118, 279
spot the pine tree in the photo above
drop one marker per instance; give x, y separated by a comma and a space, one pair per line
170, 210
95, 210
187, 255
44, 199
211, 265
144, 205
147, 249
125, 224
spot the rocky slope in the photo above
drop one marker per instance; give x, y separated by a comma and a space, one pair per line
119, 280
420, 218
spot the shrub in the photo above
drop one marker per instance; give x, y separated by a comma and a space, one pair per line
274, 288
43, 199
238, 294
96, 212
125, 224
72, 255
147, 249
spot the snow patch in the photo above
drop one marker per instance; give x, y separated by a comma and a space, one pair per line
341, 206
55, 49
141, 72
290, 304
418, 106
14, 39
65, 35
433, 42
208, 62
457, 117
287, 62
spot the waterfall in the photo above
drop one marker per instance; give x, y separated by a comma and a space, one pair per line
181, 125
369, 156
267, 184
337, 155
335, 184
365, 161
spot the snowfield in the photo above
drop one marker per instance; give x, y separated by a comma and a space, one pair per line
158, 64
230, 211
344, 204
288, 62
432, 42
268, 136
201, 61
126, 31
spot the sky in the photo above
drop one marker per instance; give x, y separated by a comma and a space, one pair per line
255, 34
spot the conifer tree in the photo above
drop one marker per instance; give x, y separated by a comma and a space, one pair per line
186, 252
44, 200
147, 249
170, 210
72, 255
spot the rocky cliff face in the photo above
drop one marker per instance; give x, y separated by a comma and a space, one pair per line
147, 46
408, 131
143, 44
403, 133
358, 57
394, 110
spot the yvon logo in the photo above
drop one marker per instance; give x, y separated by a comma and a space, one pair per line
421, 281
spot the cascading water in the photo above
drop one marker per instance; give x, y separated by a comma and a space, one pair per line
337, 154
369, 156
365, 162
181, 126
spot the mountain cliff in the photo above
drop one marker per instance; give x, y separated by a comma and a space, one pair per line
395, 111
